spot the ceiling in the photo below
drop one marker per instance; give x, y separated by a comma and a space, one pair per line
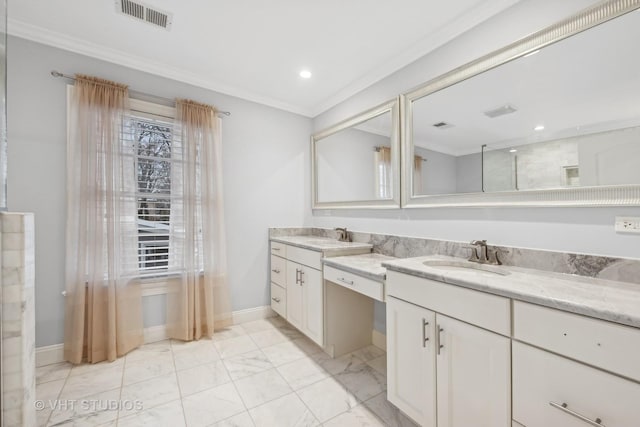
255, 49
585, 84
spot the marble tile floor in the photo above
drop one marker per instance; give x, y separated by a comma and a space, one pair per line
262, 373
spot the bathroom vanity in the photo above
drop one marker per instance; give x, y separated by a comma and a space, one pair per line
470, 343
297, 289
488, 346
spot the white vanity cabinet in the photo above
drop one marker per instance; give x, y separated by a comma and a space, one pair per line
411, 360
437, 361
296, 288
297, 283
278, 265
552, 390
304, 300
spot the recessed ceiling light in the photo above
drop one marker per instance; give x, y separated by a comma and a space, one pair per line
531, 53
539, 127
513, 150
305, 74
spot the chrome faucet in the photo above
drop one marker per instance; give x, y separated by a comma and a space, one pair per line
482, 256
344, 234
486, 255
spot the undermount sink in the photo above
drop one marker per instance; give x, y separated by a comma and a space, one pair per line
465, 266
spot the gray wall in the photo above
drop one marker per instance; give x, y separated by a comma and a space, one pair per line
266, 155
438, 172
469, 173
346, 166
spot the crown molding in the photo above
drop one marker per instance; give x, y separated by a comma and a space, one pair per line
424, 46
61, 41
427, 44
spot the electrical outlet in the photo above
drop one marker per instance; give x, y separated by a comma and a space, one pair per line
627, 224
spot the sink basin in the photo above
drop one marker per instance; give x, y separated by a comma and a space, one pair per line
466, 266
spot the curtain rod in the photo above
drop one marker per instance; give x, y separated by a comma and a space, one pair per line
162, 98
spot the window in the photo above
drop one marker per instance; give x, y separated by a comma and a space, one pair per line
150, 129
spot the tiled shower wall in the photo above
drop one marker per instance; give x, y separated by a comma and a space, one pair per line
18, 319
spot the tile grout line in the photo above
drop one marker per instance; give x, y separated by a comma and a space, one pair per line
48, 420
175, 370
124, 367
235, 387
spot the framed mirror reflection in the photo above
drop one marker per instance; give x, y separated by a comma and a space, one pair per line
550, 120
356, 163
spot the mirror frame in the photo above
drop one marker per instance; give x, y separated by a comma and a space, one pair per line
609, 195
393, 106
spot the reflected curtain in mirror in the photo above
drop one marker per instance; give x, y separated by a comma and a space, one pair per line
198, 301
382, 160
103, 317
417, 175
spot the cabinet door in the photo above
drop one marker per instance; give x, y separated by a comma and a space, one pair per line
294, 295
312, 304
411, 384
474, 376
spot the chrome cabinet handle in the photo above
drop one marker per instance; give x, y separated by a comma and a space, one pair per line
565, 408
425, 338
301, 281
275, 249
343, 280
297, 276
439, 339
276, 299
275, 270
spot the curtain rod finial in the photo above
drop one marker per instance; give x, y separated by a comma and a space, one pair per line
55, 73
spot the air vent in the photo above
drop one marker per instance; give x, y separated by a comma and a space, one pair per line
501, 111
442, 125
145, 13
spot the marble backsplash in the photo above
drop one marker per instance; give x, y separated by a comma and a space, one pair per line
620, 269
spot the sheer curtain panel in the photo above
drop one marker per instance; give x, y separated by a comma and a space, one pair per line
103, 317
198, 300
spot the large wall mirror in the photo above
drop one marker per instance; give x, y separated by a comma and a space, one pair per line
356, 163
553, 119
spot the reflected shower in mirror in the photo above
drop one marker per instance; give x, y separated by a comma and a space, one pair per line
566, 115
355, 162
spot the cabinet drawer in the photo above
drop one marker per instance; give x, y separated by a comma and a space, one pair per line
360, 284
607, 345
279, 270
305, 257
485, 310
279, 249
541, 378
279, 300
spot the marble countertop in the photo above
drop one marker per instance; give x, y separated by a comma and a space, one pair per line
321, 244
603, 299
366, 265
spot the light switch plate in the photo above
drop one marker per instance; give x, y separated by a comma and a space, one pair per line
627, 224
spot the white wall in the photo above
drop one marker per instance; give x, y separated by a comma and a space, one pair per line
584, 230
266, 155
346, 166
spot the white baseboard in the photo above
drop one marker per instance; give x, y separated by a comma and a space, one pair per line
379, 340
251, 314
55, 353
49, 355
155, 333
